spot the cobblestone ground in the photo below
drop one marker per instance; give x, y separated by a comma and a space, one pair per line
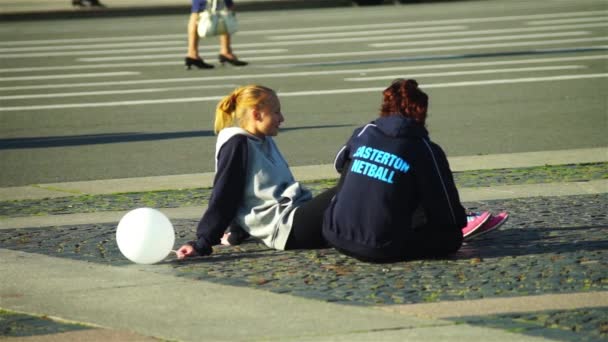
566, 325
550, 245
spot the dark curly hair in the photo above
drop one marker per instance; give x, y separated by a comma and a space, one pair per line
405, 98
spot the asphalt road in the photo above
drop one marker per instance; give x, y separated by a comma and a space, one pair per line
109, 97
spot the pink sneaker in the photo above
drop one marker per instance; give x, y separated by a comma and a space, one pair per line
474, 222
493, 223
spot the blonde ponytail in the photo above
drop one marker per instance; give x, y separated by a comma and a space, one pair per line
224, 113
233, 107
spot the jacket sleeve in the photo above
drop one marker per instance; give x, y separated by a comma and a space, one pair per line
227, 194
436, 186
342, 160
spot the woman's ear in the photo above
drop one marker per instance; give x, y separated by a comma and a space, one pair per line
257, 115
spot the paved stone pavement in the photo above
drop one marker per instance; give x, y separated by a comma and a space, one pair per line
550, 246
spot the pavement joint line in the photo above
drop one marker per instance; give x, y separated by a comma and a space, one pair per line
533, 190
52, 188
54, 318
91, 218
195, 212
92, 334
301, 173
507, 305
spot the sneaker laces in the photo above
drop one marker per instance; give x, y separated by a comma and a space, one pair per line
472, 216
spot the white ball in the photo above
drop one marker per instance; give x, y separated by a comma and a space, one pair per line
145, 236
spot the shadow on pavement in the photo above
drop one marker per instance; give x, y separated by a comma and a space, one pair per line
114, 138
532, 241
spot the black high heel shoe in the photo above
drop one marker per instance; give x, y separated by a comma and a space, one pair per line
96, 3
89, 3
234, 61
197, 62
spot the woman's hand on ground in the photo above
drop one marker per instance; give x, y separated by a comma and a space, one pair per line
186, 251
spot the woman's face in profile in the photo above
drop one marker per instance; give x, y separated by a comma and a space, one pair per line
270, 117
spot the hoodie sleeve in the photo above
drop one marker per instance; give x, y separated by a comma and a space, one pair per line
227, 194
343, 157
436, 185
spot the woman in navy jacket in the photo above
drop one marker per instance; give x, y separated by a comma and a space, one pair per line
397, 198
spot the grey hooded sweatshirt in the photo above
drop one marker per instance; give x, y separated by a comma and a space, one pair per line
254, 188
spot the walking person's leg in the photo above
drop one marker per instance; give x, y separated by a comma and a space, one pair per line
193, 36
226, 55
226, 45
193, 58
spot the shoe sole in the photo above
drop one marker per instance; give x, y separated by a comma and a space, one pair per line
492, 224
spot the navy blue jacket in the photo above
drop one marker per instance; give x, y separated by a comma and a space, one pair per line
390, 168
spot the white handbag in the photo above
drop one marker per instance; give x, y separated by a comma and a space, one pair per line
214, 21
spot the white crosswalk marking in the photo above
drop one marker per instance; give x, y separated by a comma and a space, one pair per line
271, 48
